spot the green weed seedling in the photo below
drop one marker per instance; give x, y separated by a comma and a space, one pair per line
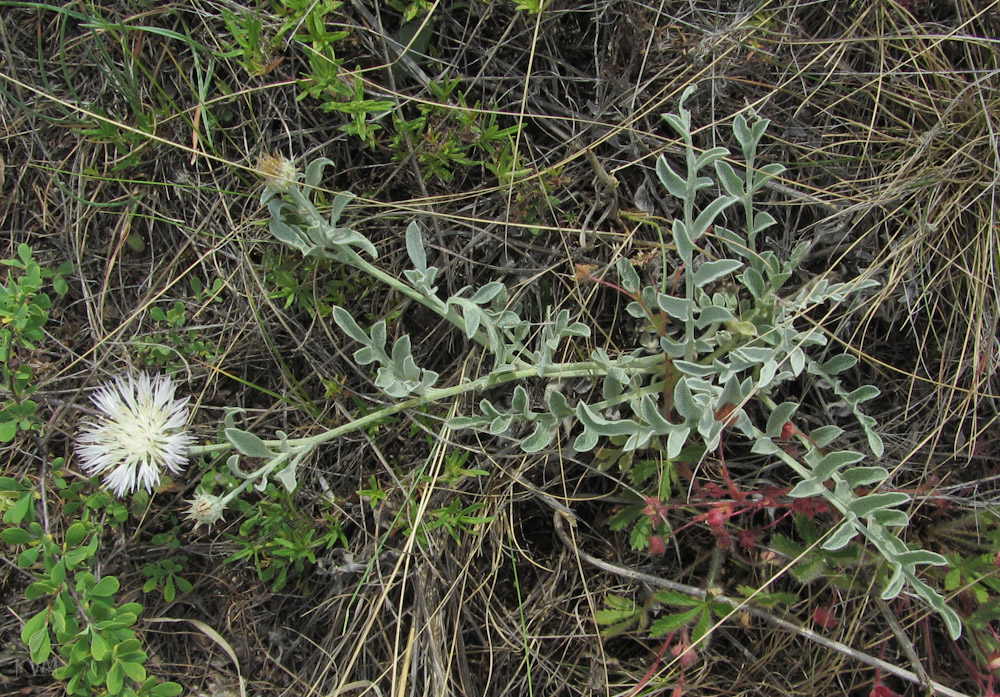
24, 312
165, 573
80, 620
173, 341
445, 136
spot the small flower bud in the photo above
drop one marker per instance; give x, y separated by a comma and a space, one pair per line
205, 509
278, 171
788, 431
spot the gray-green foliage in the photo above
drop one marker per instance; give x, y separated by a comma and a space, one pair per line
724, 347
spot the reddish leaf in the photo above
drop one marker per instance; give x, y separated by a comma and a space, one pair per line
824, 618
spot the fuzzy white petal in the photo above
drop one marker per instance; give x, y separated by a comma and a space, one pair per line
138, 432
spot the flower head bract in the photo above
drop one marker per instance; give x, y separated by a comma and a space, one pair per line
138, 432
205, 509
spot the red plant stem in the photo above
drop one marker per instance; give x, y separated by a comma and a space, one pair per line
652, 670
737, 495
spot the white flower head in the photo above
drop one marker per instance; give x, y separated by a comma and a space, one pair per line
139, 431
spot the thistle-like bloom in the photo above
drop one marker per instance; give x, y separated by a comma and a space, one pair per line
205, 509
138, 432
278, 171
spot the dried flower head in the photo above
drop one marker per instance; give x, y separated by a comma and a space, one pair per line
278, 171
583, 272
205, 509
139, 431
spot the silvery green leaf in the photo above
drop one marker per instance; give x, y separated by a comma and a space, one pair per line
747, 356
415, 246
710, 156
760, 125
712, 314
428, 378
401, 351
261, 484
678, 123
340, 202
488, 292
233, 463
711, 212
674, 185
731, 181
586, 441
805, 489
695, 369
839, 364
702, 183
765, 446
649, 412
862, 394
681, 109
768, 371
863, 476
874, 440
891, 517
895, 583
684, 401
387, 382
766, 173
458, 423
780, 415
797, 361
824, 435
921, 556
558, 406
743, 134
841, 536
314, 172
229, 417
366, 355
540, 437
610, 388
678, 308
473, 317
489, 411
247, 443
831, 462
676, 441
627, 275
378, 336
501, 423
733, 241
287, 477
732, 391
714, 270
754, 282
867, 505
762, 221
672, 348
683, 242
601, 426
638, 440
712, 435
634, 309
519, 402
290, 235
349, 238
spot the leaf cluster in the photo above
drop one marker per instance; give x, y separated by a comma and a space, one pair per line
80, 620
